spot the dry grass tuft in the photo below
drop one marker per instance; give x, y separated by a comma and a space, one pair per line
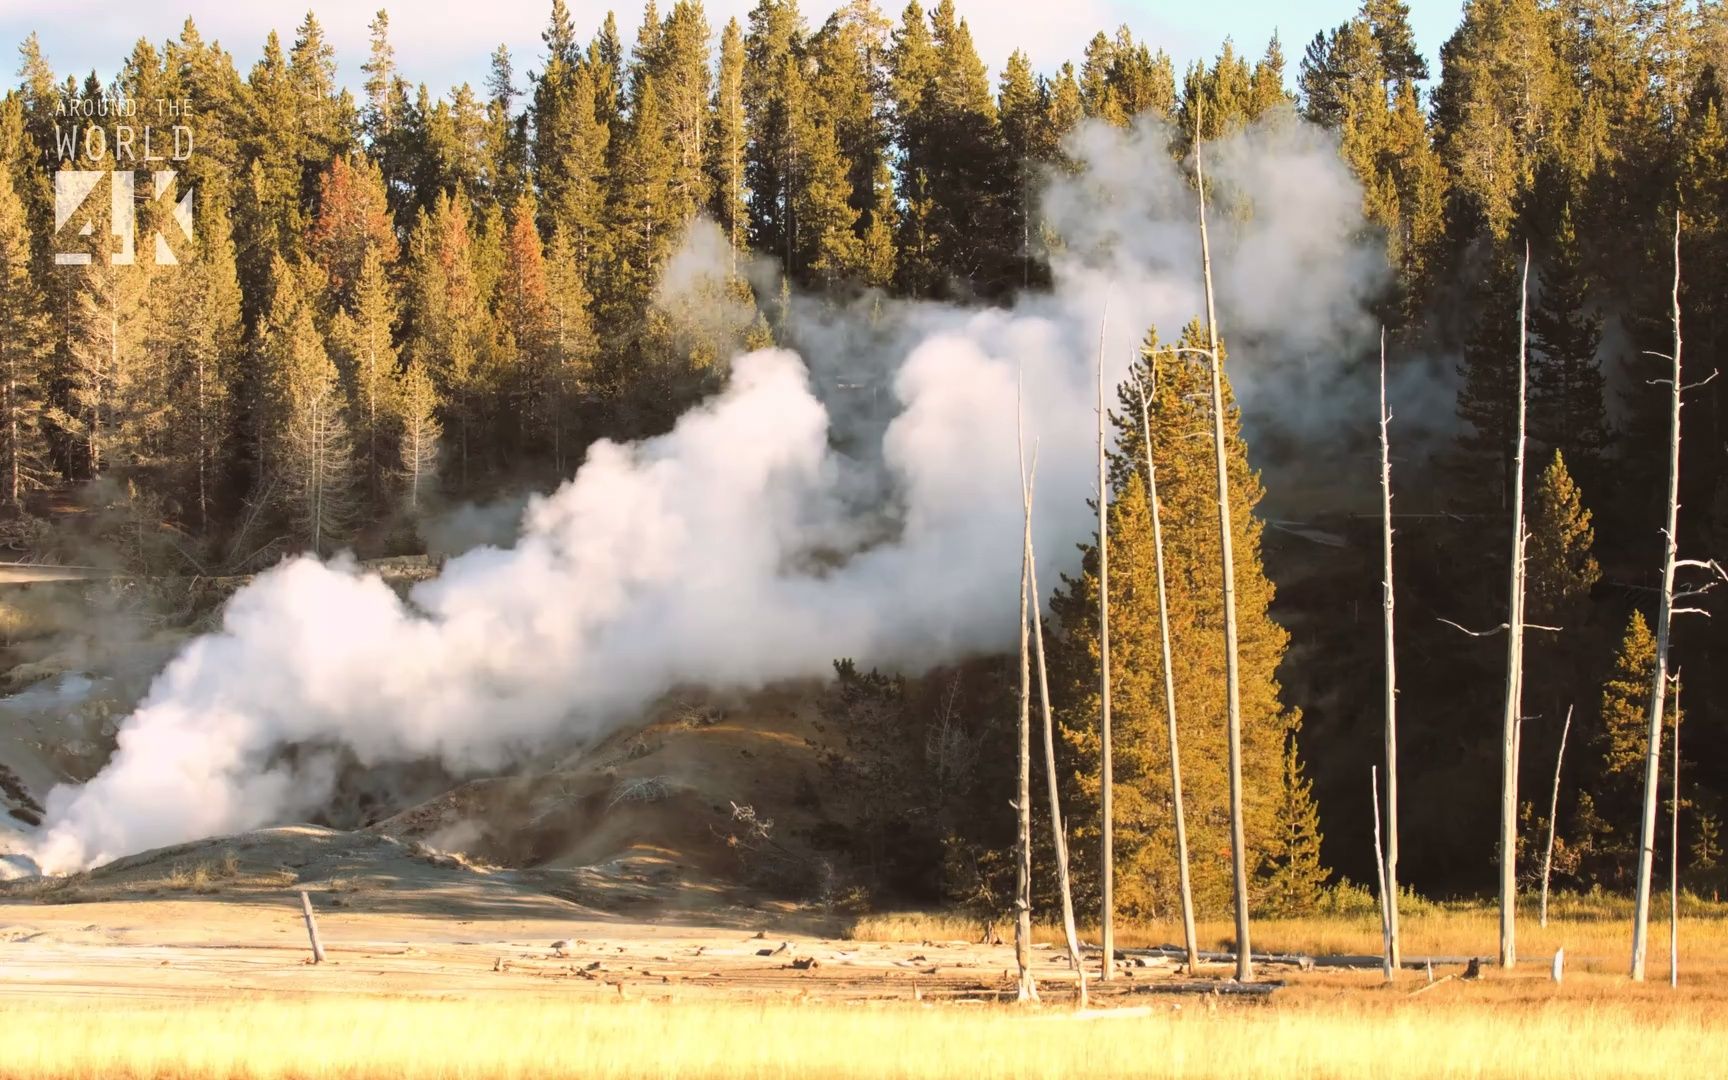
207, 877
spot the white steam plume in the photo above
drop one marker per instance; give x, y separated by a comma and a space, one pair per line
733, 550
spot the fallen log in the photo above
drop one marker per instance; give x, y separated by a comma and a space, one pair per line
1176, 952
1429, 986
1262, 988
1409, 963
1297, 960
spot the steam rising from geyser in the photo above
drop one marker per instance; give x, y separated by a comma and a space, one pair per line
734, 550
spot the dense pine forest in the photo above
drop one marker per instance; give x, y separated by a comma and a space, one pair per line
397, 302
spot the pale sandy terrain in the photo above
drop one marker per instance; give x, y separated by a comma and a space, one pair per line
462, 939
652, 892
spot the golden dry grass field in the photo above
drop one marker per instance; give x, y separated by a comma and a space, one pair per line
1595, 931
196, 989
1505, 1029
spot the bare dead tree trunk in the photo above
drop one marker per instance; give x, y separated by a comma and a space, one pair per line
1190, 940
1060, 835
1553, 811
311, 928
1674, 852
1664, 620
202, 443
1386, 965
1389, 887
1514, 661
1107, 778
1027, 986
1233, 695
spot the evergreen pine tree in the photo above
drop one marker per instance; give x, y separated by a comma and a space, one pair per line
1066, 107
604, 65
506, 140
913, 67
24, 333
366, 357
848, 93
324, 115
679, 63
204, 357
1500, 107
646, 219
1226, 88
1266, 91
1488, 397
572, 346
1419, 181
774, 96
572, 137
378, 116
1566, 386
1293, 876
1029, 141
39, 94
727, 147
524, 310
353, 221
832, 250
1562, 569
1621, 740
416, 405
269, 217
308, 452
1384, 139
968, 220
1143, 82
1098, 93
452, 334
1187, 486
204, 73
1400, 59
113, 395
1322, 80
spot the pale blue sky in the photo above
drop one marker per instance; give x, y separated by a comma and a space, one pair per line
443, 42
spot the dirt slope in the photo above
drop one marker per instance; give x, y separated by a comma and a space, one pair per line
710, 797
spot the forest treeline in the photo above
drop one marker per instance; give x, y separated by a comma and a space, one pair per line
396, 299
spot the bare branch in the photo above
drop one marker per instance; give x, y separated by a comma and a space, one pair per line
1478, 633
1702, 564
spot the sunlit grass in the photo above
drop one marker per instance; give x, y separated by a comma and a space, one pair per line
1588, 927
379, 1037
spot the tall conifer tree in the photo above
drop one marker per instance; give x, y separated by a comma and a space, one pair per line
1187, 489
24, 335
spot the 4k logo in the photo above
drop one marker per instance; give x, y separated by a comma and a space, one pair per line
72, 190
